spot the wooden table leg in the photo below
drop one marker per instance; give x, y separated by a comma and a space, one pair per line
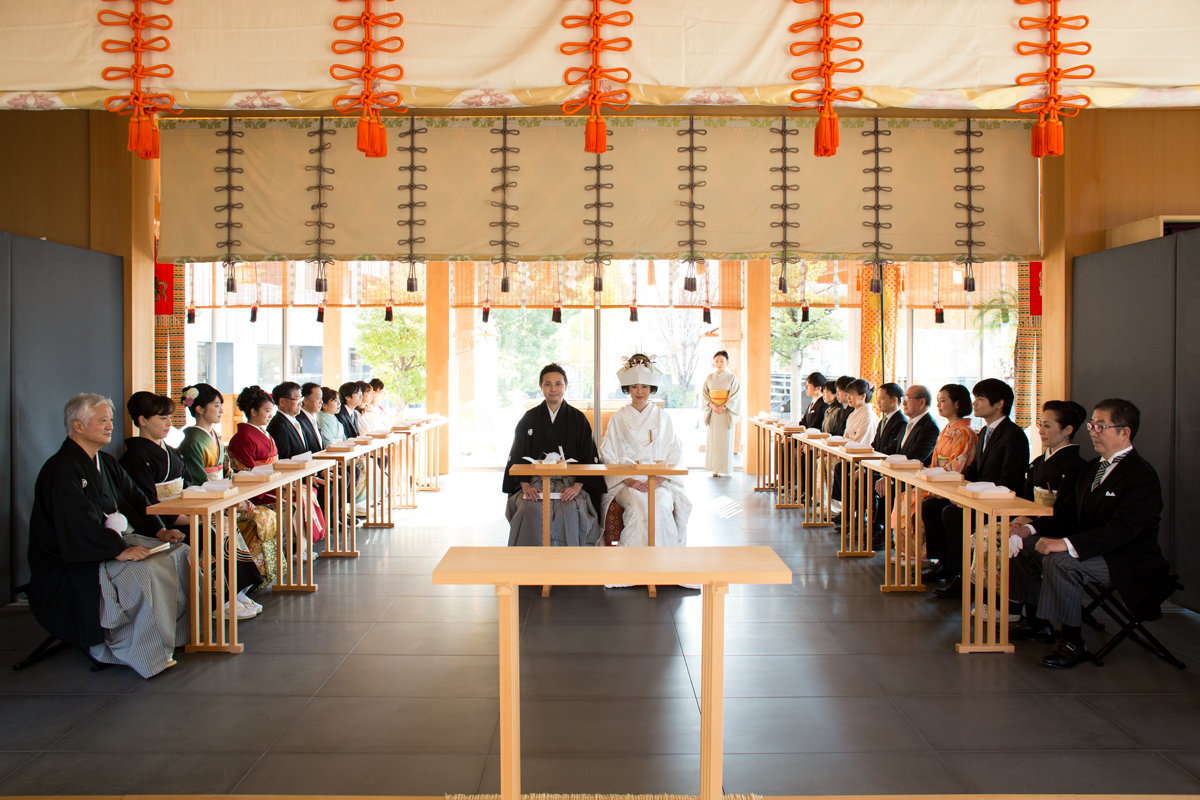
510, 692
231, 565
545, 525
650, 523
712, 691
195, 596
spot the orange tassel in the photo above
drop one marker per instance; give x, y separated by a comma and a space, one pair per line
1054, 137
826, 142
596, 136
1038, 144
363, 131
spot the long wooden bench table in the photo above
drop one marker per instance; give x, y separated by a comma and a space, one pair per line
215, 518
713, 567
763, 431
573, 470
988, 518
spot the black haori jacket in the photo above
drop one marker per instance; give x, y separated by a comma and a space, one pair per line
68, 540
1118, 521
536, 435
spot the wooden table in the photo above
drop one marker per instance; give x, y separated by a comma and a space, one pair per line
216, 518
788, 478
988, 518
823, 459
651, 471
763, 431
816, 467
712, 567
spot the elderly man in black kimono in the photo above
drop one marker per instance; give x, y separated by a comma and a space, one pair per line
94, 581
550, 426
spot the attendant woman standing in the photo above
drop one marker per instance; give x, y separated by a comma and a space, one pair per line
205, 459
159, 470
722, 408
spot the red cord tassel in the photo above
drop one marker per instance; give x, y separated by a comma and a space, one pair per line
1054, 137
1038, 143
596, 136
378, 140
363, 132
826, 142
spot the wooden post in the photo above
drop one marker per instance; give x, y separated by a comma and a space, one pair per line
712, 691
757, 380
510, 691
437, 349
650, 514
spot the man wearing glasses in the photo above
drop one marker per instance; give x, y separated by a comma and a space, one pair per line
1104, 530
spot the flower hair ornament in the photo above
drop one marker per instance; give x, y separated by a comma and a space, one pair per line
190, 396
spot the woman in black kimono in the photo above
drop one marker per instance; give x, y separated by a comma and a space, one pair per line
161, 473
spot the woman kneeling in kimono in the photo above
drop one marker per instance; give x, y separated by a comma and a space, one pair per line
641, 432
94, 582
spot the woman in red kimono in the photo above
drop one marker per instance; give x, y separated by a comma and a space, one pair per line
251, 446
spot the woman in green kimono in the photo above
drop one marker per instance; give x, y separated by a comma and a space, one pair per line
204, 456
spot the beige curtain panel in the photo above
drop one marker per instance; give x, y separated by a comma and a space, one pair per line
276, 200
231, 54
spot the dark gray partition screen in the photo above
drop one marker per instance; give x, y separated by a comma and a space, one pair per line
1133, 336
62, 333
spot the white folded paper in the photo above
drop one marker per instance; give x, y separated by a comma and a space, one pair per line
218, 485
265, 469
897, 459
812, 430
931, 471
302, 458
836, 440
985, 487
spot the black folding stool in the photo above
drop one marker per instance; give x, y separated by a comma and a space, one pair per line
1131, 626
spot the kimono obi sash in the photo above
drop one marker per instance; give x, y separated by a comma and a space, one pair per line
718, 396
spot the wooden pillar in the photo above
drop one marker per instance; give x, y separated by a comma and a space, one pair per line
332, 361
437, 348
729, 320
756, 383
121, 222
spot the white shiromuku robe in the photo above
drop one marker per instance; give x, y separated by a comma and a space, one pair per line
628, 440
718, 452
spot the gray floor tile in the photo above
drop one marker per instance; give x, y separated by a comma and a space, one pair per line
600, 774
34, 722
761, 590
415, 676
19, 631
9, 762
319, 606
68, 672
1186, 760
836, 584
838, 774
789, 725
423, 585
1156, 721
328, 638
443, 609
1070, 772
431, 639
146, 772
220, 674
377, 585
878, 608
331, 774
624, 640
372, 565
643, 726
614, 608
767, 638
790, 676
951, 673
689, 610
184, 723
1128, 670
895, 638
594, 676
1004, 723
391, 725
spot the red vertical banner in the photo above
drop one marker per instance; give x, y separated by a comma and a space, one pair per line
164, 290
1035, 288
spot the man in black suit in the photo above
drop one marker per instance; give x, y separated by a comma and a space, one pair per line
915, 439
351, 395
310, 404
892, 424
816, 407
284, 428
839, 421
1001, 457
1104, 530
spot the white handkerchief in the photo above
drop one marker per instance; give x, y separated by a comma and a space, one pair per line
1109, 494
116, 522
1015, 543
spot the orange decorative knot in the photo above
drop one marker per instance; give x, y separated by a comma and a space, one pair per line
142, 104
596, 135
372, 136
1048, 132
826, 141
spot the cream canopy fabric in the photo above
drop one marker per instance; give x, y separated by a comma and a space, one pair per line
646, 190
255, 54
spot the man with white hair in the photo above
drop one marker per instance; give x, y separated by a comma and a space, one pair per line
95, 582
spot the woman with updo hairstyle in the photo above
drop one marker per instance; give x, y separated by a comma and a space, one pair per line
156, 467
862, 421
251, 446
328, 425
1060, 462
204, 456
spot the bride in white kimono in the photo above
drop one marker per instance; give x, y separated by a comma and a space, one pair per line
641, 431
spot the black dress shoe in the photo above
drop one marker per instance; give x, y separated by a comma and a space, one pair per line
836, 520
935, 573
878, 540
1024, 632
1065, 655
952, 590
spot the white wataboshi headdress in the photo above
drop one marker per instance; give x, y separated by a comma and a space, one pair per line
639, 369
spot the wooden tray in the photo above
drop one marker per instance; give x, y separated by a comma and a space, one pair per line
287, 465
202, 494
945, 477
1007, 494
902, 464
380, 435
814, 436
858, 449
341, 448
362, 440
246, 477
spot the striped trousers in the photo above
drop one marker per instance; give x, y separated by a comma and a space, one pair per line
1054, 582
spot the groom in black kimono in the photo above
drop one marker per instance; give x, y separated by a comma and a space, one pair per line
545, 429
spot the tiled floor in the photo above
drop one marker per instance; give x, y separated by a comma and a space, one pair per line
381, 683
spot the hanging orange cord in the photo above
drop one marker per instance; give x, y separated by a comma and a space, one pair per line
827, 138
1048, 132
596, 134
372, 136
142, 104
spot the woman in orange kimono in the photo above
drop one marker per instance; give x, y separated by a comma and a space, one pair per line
251, 446
955, 449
